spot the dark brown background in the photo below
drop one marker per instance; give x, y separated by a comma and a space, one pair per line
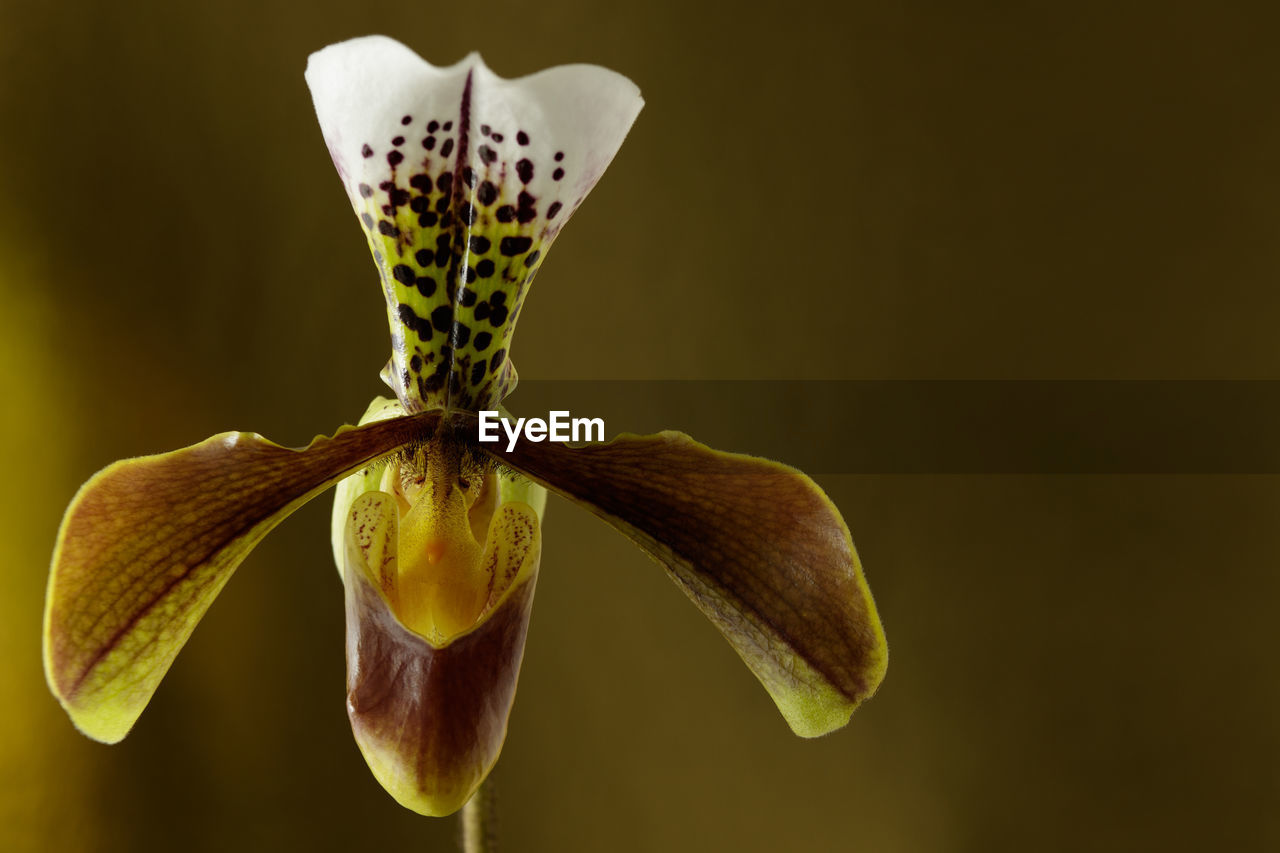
817, 191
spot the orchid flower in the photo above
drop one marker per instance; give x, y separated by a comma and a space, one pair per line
461, 181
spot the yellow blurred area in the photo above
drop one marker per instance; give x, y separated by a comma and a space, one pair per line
814, 190
37, 771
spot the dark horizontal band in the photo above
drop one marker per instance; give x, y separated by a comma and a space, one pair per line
947, 427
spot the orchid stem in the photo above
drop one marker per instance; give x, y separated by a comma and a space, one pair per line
479, 829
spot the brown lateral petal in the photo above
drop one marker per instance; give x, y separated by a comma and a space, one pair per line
147, 544
756, 545
431, 720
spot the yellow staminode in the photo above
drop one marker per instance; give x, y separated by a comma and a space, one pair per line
434, 532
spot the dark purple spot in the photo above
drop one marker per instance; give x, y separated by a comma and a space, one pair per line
506, 213
421, 182
427, 219
497, 299
479, 245
426, 285
394, 158
469, 275
403, 273
447, 148
487, 194
468, 298
461, 334
524, 169
477, 372
512, 246
366, 151
414, 323
559, 156
429, 143
485, 130
469, 176
420, 204
388, 229
415, 363
496, 361
485, 268
557, 174
399, 140
442, 318
435, 381
367, 220
467, 213
526, 212
366, 191
522, 137
482, 310
406, 119
497, 315
424, 257
448, 125
433, 126
487, 154
483, 339
553, 209
532, 259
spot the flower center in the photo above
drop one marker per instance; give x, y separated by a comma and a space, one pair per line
443, 585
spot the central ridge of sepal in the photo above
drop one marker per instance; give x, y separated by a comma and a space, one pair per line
440, 554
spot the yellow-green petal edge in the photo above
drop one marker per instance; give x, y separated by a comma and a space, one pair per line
147, 544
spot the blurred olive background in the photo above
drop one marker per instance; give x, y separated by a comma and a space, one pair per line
814, 190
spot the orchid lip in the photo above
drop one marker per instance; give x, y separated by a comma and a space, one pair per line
435, 624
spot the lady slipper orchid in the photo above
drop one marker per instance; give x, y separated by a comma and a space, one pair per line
461, 180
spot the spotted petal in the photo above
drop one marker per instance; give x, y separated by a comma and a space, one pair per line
147, 544
755, 544
462, 180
